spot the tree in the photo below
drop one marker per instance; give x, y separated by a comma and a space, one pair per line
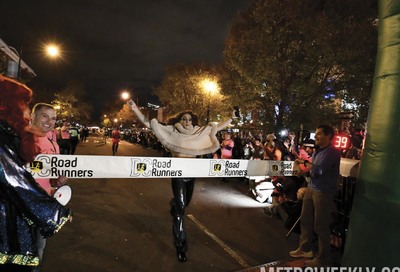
70, 104
126, 115
293, 59
182, 89
107, 122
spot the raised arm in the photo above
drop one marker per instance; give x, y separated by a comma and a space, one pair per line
136, 110
223, 125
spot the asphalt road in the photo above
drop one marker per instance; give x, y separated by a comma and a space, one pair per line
125, 225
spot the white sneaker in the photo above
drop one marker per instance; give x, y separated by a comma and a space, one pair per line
298, 253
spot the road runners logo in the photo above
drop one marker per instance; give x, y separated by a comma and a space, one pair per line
282, 168
55, 166
226, 168
141, 167
36, 166
154, 168
275, 168
216, 168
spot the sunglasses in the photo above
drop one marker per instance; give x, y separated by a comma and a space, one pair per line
186, 119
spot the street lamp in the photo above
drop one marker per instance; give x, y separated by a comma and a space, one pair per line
125, 95
52, 50
211, 87
16, 64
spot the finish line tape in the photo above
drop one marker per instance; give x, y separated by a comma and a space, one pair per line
71, 166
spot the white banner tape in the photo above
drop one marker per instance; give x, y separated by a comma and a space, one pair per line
81, 166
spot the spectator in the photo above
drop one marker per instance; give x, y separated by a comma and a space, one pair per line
73, 139
318, 199
257, 150
43, 120
237, 152
285, 187
65, 144
288, 210
227, 146
44, 117
305, 152
270, 152
84, 134
247, 155
292, 146
280, 150
287, 151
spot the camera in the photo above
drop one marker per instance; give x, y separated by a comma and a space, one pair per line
237, 111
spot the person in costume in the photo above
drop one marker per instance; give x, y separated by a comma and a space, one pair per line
184, 138
25, 207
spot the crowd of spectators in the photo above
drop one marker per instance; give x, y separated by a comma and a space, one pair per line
143, 137
247, 145
250, 145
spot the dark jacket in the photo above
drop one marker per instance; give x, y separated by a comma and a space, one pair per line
24, 206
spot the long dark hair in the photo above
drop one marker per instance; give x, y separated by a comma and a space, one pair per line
13, 96
177, 118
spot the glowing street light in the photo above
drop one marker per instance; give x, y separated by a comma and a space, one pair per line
52, 50
125, 95
211, 87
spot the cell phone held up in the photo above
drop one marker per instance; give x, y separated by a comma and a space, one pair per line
236, 111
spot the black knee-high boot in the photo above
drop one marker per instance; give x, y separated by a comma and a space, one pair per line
182, 189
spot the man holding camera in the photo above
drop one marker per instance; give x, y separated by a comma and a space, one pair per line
318, 199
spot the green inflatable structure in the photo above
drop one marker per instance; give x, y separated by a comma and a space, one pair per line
374, 232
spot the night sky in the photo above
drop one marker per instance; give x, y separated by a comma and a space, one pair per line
111, 45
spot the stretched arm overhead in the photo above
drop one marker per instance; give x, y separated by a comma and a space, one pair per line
223, 125
138, 113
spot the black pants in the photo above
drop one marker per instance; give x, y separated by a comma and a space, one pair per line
65, 146
73, 143
182, 189
115, 148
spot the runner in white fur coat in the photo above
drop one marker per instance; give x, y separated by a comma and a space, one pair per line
184, 138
